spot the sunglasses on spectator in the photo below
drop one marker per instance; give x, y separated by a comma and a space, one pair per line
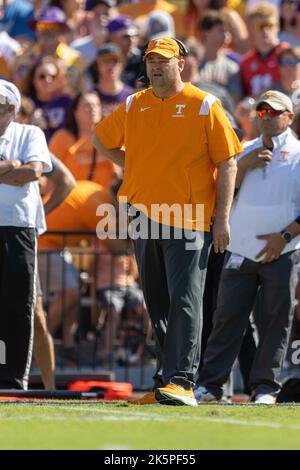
261, 26
261, 113
292, 62
47, 26
44, 76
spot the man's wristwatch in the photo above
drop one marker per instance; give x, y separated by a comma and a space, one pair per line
287, 236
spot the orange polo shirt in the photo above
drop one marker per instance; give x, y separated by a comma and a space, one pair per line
172, 148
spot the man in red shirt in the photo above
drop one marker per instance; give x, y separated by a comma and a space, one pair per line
259, 67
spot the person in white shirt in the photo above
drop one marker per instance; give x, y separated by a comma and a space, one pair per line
262, 254
24, 156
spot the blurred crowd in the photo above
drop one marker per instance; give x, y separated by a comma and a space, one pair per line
75, 61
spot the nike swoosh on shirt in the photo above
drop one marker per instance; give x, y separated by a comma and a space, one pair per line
144, 109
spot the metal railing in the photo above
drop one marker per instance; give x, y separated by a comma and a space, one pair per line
74, 270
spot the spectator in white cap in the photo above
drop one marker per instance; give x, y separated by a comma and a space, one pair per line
9, 94
23, 158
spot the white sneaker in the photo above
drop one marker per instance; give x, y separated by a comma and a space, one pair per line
265, 399
202, 395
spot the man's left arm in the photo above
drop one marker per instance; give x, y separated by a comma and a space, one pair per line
225, 190
24, 174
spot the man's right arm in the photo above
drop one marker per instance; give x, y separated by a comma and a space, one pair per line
115, 155
8, 165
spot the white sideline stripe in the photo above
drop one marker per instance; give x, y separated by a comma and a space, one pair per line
120, 415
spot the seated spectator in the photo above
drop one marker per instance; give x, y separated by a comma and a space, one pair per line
124, 33
245, 116
50, 28
215, 66
111, 89
73, 144
56, 263
45, 85
144, 8
288, 22
259, 67
289, 82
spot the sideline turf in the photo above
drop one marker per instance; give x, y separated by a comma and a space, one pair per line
122, 426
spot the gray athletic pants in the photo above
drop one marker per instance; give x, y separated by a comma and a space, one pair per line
173, 279
236, 297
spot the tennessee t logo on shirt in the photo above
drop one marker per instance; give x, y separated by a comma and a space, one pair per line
179, 112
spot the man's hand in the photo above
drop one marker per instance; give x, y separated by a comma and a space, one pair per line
273, 248
258, 158
221, 234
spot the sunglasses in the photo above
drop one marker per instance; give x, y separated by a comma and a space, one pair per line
284, 62
47, 26
44, 76
261, 26
270, 112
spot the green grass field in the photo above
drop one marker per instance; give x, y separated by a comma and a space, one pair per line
121, 426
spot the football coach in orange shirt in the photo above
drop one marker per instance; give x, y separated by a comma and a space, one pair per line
177, 148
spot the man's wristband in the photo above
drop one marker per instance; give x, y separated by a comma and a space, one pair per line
297, 220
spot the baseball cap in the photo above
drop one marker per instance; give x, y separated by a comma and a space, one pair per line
109, 48
165, 47
277, 100
160, 24
48, 16
9, 94
122, 22
93, 3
